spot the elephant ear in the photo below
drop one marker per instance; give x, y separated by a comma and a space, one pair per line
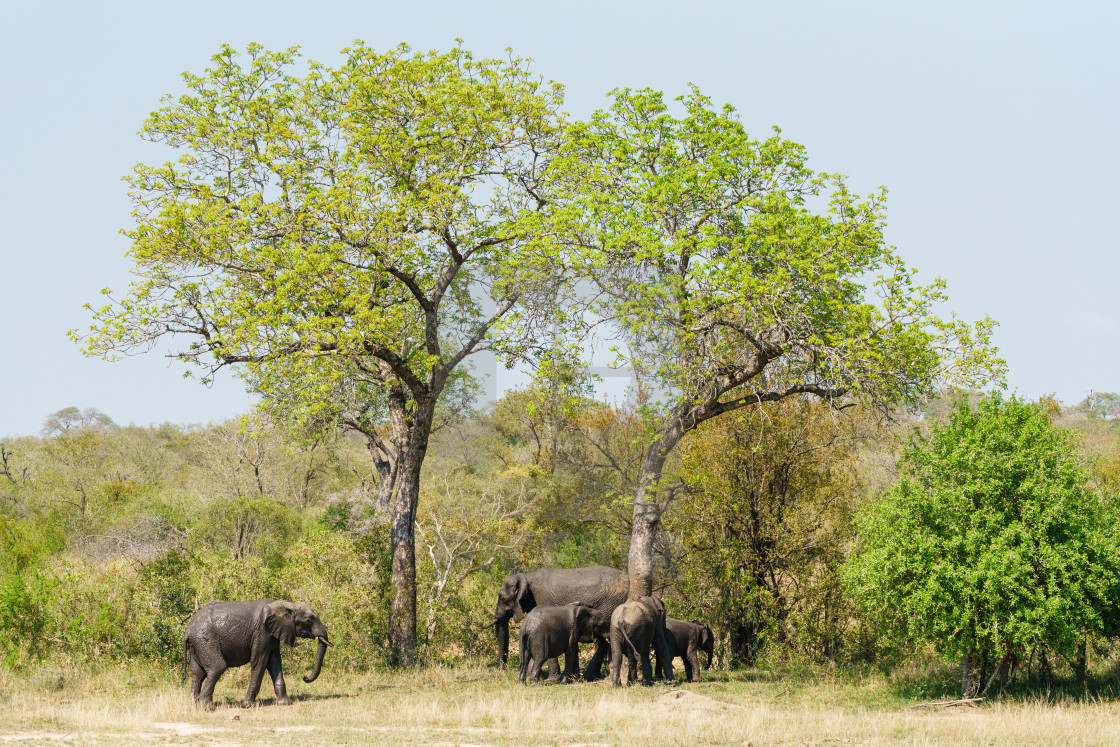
523, 602
281, 623
578, 615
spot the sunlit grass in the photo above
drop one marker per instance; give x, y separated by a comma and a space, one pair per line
477, 705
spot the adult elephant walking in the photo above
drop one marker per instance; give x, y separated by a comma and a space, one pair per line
230, 634
596, 586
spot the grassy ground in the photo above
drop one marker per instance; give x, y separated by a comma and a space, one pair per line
481, 706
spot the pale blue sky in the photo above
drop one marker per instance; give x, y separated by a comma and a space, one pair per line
995, 127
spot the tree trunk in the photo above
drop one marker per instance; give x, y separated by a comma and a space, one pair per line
387, 472
402, 542
1081, 663
647, 518
970, 674
402, 539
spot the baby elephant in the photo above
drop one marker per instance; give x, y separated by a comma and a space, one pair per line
636, 626
685, 640
547, 632
229, 634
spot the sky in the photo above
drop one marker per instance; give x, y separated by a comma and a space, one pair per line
995, 127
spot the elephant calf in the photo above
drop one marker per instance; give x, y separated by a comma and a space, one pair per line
685, 640
548, 632
229, 634
635, 627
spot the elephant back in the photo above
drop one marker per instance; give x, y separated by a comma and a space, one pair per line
597, 586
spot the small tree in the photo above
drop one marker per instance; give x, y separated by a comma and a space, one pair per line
991, 544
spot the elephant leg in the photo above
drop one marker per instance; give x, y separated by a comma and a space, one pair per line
198, 674
206, 697
534, 670
571, 664
276, 671
554, 669
647, 671
594, 670
692, 666
631, 669
616, 662
259, 664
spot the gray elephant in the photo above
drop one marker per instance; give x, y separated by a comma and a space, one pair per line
596, 586
637, 625
548, 632
686, 639
229, 634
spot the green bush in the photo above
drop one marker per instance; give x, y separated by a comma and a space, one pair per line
24, 617
247, 526
169, 601
992, 544
330, 572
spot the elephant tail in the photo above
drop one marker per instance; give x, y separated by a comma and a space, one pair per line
523, 665
633, 648
186, 658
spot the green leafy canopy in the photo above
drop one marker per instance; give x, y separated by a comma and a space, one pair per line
992, 541
711, 259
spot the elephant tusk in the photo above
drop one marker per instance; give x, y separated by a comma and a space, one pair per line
324, 641
489, 625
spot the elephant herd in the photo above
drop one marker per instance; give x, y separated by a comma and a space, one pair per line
558, 609
561, 608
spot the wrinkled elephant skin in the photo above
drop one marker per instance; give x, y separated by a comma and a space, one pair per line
636, 626
598, 587
229, 634
548, 632
686, 640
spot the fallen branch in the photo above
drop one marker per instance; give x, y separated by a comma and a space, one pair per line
948, 703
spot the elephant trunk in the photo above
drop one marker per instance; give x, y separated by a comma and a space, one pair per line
323, 643
501, 630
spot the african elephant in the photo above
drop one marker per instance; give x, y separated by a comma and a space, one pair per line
548, 632
637, 625
685, 640
596, 586
229, 634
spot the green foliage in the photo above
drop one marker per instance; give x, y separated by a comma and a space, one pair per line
762, 532
247, 526
717, 264
24, 541
992, 543
23, 616
330, 572
1099, 405
166, 583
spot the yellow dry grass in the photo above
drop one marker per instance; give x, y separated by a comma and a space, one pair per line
477, 706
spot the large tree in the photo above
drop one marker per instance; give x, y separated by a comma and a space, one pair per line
735, 276
385, 213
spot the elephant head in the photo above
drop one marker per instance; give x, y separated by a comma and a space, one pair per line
706, 641
290, 620
515, 599
588, 624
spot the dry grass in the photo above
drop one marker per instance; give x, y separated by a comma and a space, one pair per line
478, 706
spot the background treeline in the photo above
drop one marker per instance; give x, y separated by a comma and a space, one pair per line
111, 536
